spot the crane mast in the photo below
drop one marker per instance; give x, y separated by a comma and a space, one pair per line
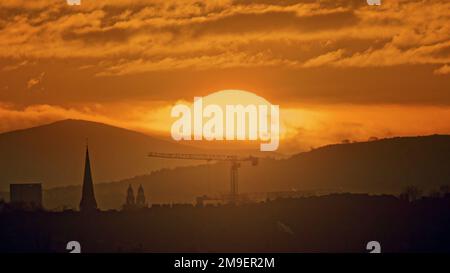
233, 159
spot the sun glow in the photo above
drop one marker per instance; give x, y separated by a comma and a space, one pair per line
229, 115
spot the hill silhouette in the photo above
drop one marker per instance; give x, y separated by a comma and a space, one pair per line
54, 153
384, 166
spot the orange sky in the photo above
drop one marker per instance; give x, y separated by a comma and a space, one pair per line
338, 69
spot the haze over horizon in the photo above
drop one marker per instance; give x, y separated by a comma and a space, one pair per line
54, 156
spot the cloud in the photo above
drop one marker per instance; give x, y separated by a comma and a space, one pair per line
315, 125
15, 118
147, 117
225, 60
35, 81
17, 65
390, 55
443, 70
123, 49
326, 58
188, 31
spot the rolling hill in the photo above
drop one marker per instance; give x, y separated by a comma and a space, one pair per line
53, 154
382, 166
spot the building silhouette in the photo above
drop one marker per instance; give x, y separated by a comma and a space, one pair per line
132, 202
140, 198
130, 197
88, 202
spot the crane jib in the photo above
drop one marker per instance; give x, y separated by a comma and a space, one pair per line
233, 159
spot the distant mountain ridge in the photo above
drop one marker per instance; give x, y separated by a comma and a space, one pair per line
53, 154
381, 166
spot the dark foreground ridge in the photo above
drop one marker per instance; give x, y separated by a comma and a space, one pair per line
333, 223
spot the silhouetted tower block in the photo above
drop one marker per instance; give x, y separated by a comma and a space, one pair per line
130, 197
140, 198
88, 202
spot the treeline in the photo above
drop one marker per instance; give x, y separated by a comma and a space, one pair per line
332, 223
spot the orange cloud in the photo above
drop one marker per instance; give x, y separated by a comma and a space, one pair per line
170, 33
443, 70
324, 59
35, 81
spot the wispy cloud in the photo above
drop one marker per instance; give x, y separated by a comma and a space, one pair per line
35, 81
443, 70
324, 59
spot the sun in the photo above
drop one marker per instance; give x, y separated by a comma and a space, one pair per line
234, 97
228, 115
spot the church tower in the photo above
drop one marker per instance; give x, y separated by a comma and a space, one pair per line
88, 202
140, 198
130, 197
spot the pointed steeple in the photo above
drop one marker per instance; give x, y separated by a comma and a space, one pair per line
88, 202
140, 198
130, 196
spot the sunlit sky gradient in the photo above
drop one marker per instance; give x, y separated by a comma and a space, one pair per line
338, 69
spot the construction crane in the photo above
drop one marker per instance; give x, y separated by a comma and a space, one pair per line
233, 159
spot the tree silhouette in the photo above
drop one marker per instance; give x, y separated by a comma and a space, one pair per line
411, 193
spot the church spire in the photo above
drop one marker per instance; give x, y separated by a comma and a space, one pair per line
88, 202
140, 198
130, 197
